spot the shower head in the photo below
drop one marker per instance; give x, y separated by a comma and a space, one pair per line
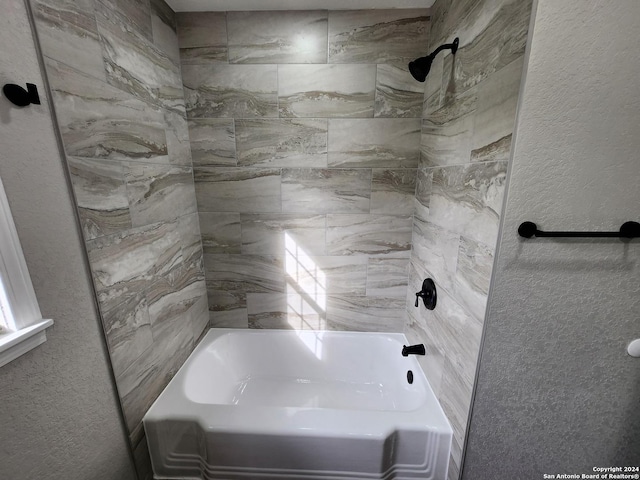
420, 67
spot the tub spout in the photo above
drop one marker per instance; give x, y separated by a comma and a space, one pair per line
413, 350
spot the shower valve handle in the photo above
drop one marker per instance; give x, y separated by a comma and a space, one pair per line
428, 294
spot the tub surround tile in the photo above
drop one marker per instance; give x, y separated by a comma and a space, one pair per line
282, 234
377, 142
378, 36
69, 34
397, 93
228, 189
365, 314
202, 37
101, 196
213, 142
134, 64
297, 311
99, 121
159, 193
447, 132
312, 275
326, 90
466, 199
190, 237
243, 274
434, 88
177, 135
424, 183
133, 17
164, 30
307, 190
281, 142
393, 191
290, 36
387, 277
473, 275
238, 91
220, 300
237, 318
221, 232
436, 249
375, 235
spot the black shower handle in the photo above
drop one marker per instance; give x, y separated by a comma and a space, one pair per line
428, 294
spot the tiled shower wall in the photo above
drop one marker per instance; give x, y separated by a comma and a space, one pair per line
468, 120
115, 75
305, 134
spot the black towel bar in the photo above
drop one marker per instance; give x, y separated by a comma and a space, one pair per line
627, 230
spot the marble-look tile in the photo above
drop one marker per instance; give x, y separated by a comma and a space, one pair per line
68, 33
124, 264
191, 240
212, 142
97, 120
142, 460
159, 193
238, 91
436, 249
446, 17
164, 29
398, 94
496, 112
310, 190
202, 37
483, 49
326, 90
455, 399
393, 191
375, 142
434, 87
177, 134
289, 36
447, 132
424, 181
467, 199
365, 314
282, 142
296, 311
313, 275
101, 196
221, 232
387, 277
228, 189
473, 275
378, 36
134, 17
225, 297
237, 318
128, 332
279, 234
134, 64
375, 235
245, 273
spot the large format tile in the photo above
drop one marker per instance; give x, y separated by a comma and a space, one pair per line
212, 142
134, 64
68, 33
291, 310
326, 90
221, 232
376, 235
242, 274
290, 36
97, 120
310, 190
159, 193
313, 275
387, 277
365, 314
375, 142
378, 36
447, 132
398, 94
282, 142
278, 234
236, 318
467, 199
393, 191
228, 189
133, 17
177, 134
473, 275
202, 37
238, 91
124, 264
424, 181
164, 29
101, 196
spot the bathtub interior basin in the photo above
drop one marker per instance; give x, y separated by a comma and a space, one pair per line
281, 404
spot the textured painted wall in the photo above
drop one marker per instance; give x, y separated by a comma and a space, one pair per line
557, 392
60, 418
468, 120
305, 133
115, 75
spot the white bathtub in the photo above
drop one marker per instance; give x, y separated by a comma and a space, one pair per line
276, 404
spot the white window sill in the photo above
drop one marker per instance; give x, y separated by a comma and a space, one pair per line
14, 344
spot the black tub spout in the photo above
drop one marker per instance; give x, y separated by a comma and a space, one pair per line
413, 350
